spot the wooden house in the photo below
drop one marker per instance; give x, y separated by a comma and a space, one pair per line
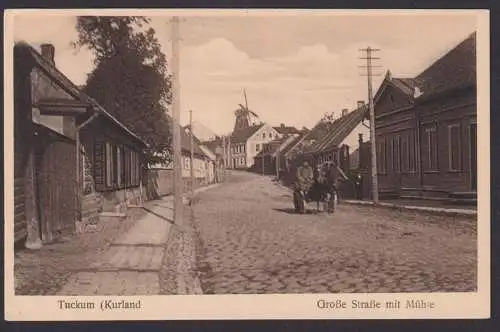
67, 152
330, 147
267, 161
426, 130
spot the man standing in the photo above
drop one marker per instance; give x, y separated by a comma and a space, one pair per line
332, 178
303, 182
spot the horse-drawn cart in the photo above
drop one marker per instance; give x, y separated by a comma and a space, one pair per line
319, 188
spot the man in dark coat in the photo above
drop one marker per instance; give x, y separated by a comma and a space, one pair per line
332, 178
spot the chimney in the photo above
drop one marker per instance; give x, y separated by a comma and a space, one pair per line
48, 52
345, 111
282, 125
361, 103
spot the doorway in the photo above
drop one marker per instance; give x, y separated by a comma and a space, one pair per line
56, 173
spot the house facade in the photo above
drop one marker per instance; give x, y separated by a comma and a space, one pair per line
70, 155
267, 161
244, 144
426, 131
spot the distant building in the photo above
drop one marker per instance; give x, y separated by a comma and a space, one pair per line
284, 130
267, 161
244, 144
426, 131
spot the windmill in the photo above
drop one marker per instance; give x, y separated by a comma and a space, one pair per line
244, 116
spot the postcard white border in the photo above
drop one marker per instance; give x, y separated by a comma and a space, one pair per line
186, 307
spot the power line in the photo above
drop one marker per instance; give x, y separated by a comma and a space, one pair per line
369, 58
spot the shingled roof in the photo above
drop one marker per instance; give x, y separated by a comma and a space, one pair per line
456, 69
242, 135
22, 48
339, 130
272, 147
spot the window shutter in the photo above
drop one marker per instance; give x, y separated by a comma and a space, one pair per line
99, 165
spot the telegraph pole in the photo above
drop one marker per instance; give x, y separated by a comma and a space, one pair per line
229, 154
278, 163
263, 156
176, 115
369, 57
224, 156
191, 158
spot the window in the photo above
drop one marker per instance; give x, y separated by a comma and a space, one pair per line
408, 152
120, 166
109, 164
432, 157
396, 149
381, 155
263, 135
405, 146
454, 148
412, 165
257, 147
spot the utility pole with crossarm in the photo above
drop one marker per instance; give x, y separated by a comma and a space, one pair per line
369, 57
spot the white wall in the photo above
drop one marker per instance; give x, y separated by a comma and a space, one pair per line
199, 168
353, 137
264, 135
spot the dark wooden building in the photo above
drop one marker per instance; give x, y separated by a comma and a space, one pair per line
70, 155
426, 130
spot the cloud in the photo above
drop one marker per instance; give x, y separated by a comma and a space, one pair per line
294, 71
296, 89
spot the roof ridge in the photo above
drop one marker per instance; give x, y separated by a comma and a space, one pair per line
451, 50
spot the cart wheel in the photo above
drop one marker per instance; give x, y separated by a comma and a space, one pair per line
296, 202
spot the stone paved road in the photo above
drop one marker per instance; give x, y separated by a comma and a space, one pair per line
251, 242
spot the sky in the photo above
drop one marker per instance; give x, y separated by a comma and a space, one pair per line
294, 67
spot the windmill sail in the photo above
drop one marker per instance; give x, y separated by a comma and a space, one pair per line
244, 115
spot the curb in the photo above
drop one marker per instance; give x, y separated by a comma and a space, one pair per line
438, 211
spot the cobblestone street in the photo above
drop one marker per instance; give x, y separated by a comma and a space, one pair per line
251, 242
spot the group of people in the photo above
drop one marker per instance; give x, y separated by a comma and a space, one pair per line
319, 184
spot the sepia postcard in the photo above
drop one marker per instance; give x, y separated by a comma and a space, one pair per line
246, 164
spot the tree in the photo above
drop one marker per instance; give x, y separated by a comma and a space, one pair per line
130, 79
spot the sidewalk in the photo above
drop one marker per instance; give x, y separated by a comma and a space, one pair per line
412, 206
133, 263
407, 205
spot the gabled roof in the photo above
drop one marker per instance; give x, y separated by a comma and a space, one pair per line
208, 153
456, 69
242, 135
304, 135
339, 130
406, 85
186, 143
272, 147
213, 145
72, 89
